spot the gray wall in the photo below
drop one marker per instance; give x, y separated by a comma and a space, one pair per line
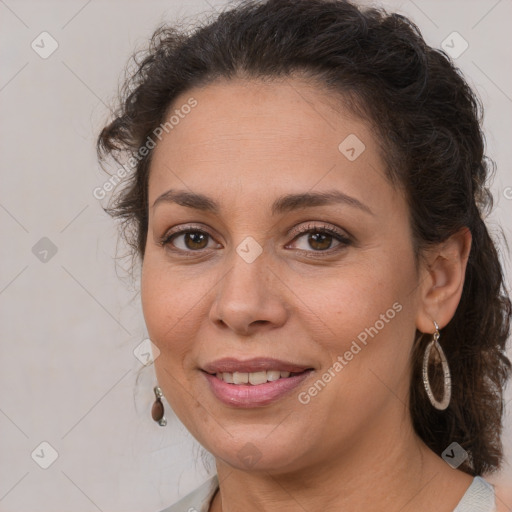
68, 324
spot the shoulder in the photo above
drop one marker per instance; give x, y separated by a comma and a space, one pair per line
198, 500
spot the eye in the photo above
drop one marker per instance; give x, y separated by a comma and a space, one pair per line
192, 239
320, 238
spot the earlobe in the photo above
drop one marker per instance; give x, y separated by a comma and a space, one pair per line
443, 280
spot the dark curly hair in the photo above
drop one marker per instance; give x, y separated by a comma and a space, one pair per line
428, 123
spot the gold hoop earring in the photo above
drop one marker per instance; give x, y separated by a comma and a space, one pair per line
157, 411
443, 404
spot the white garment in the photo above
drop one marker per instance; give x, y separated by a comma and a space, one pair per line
479, 497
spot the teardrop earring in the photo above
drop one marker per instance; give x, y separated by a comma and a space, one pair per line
157, 411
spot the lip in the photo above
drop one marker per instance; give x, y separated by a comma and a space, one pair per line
231, 365
249, 395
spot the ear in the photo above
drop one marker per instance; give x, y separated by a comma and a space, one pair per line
442, 280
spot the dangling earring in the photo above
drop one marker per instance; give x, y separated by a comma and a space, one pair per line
443, 404
157, 411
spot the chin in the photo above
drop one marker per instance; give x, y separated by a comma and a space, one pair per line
256, 452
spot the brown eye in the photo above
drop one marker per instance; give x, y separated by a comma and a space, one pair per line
320, 239
189, 240
195, 240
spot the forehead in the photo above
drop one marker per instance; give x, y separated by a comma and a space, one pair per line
242, 134
257, 113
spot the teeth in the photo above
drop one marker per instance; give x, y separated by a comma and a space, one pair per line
253, 378
273, 375
240, 378
258, 377
226, 377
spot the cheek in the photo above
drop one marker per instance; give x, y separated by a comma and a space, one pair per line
352, 299
365, 315
165, 309
154, 301
164, 305
175, 306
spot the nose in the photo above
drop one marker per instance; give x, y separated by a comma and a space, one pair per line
250, 297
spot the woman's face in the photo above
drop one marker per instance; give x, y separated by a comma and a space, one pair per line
240, 175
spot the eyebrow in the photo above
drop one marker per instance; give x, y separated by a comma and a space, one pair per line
281, 205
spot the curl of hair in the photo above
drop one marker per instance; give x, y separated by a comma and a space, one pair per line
428, 123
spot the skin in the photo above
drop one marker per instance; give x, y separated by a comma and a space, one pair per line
352, 447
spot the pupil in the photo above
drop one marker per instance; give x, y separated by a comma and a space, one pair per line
319, 238
195, 239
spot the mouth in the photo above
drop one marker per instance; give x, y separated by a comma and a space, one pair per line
253, 383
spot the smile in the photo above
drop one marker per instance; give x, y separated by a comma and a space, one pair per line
254, 389
254, 378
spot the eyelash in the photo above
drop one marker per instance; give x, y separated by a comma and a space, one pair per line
343, 240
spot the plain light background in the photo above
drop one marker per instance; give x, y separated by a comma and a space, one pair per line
69, 324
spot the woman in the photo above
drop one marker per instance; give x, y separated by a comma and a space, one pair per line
306, 200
